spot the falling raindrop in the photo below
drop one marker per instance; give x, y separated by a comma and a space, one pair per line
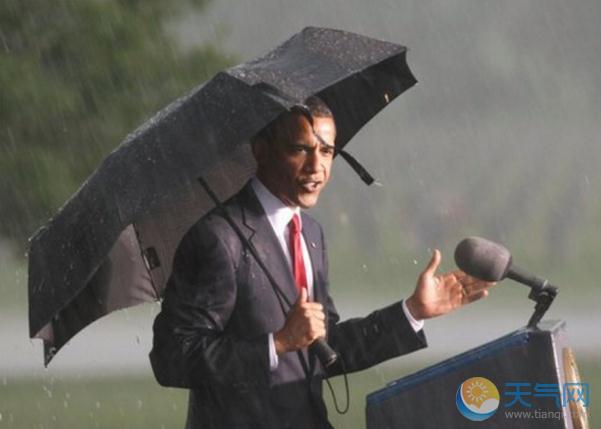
47, 390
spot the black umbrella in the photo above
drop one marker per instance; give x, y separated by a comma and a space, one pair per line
111, 245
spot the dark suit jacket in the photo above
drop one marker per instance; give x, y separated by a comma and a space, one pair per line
211, 335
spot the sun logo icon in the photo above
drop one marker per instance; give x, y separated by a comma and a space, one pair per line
477, 398
476, 391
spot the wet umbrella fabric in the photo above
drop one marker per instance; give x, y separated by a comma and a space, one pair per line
111, 245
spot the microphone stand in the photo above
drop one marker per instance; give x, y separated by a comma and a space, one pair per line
543, 296
541, 292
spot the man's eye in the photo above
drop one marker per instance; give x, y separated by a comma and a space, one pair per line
299, 148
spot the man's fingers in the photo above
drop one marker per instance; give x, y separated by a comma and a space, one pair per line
476, 296
434, 263
476, 285
467, 280
318, 314
302, 298
305, 322
459, 275
318, 329
313, 312
318, 325
313, 305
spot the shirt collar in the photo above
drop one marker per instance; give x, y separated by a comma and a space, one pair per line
278, 213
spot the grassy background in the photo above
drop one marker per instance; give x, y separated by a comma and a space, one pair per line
139, 402
52, 401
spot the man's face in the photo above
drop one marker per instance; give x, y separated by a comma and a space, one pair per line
295, 166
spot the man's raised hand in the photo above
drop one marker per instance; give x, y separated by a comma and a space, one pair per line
438, 294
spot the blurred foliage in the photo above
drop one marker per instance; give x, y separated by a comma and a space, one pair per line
75, 78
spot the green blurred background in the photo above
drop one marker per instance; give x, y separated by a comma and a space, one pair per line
500, 138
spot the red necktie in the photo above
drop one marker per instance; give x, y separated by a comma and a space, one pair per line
296, 254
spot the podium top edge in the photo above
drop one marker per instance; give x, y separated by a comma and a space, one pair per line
549, 325
513, 339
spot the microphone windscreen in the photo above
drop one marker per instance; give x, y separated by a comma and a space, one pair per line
483, 259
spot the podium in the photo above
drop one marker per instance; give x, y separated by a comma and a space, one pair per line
531, 366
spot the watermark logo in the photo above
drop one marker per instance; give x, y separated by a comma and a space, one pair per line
477, 398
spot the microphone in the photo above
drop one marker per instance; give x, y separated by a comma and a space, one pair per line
326, 355
492, 262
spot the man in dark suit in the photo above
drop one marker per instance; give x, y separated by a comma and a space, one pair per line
224, 333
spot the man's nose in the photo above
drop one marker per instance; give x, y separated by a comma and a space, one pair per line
313, 162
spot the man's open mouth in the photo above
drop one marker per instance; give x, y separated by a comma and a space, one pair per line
310, 185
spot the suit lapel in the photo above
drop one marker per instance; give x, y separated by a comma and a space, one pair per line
263, 238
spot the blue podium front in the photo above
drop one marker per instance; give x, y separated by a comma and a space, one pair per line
527, 379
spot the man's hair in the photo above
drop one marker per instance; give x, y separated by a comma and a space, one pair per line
317, 108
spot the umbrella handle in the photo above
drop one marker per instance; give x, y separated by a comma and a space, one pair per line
326, 354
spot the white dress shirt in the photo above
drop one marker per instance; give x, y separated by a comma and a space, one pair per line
280, 215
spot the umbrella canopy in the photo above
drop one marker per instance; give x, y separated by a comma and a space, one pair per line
111, 245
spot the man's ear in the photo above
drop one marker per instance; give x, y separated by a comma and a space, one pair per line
259, 149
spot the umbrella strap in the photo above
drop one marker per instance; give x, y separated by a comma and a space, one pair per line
278, 291
355, 165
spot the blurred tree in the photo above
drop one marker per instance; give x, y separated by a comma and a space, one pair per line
75, 77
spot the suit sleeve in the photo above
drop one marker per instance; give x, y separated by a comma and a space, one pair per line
192, 346
363, 342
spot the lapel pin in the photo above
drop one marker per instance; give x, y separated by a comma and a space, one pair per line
313, 245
